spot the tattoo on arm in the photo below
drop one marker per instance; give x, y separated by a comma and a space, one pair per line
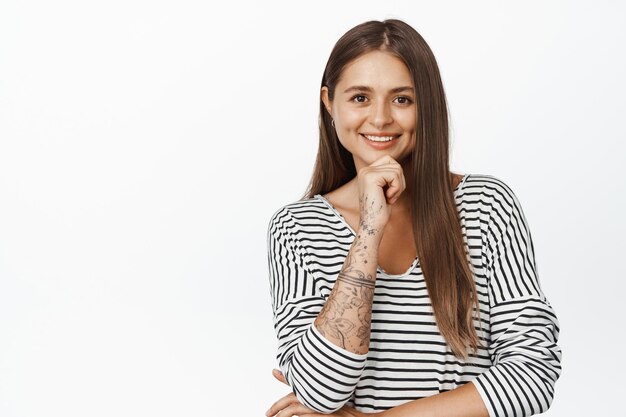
368, 214
346, 317
349, 279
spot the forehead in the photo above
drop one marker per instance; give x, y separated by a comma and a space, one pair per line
376, 69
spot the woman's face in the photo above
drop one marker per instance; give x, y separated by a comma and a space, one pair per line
374, 99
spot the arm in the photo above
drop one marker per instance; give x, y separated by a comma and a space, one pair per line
461, 402
524, 331
322, 362
464, 401
346, 318
524, 327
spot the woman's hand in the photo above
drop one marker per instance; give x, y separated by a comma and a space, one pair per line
380, 185
289, 406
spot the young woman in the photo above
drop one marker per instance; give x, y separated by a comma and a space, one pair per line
395, 282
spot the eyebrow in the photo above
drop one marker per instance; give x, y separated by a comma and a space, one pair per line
369, 89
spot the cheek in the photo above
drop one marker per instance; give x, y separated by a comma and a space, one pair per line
351, 118
407, 120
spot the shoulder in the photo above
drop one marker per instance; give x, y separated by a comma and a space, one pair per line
299, 227
491, 184
492, 191
295, 210
500, 207
291, 217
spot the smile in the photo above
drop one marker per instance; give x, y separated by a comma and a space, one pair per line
379, 138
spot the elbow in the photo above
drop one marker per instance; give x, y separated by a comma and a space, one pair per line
319, 404
534, 382
548, 404
548, 390
552, 374
322, 395
519, 387
323, 376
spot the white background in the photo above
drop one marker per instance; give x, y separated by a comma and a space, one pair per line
144, 146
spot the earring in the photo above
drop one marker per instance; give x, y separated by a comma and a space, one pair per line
332, 122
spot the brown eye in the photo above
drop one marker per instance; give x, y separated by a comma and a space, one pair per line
404, 100
358, 96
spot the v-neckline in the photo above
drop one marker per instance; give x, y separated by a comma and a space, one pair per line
349, 228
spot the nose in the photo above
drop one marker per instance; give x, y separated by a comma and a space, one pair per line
380, 114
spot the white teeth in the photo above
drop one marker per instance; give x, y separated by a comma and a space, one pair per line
379, 138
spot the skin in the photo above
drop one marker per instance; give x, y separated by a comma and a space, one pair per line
345, 318
463, 401
377, 108
368, 101
385, 106
381, 108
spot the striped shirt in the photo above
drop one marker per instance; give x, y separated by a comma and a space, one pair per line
515, 375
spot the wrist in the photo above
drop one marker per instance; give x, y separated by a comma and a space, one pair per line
370, 234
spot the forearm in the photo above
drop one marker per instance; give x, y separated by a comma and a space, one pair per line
464, 401
345, 319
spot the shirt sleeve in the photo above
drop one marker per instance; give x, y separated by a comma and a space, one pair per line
323, 376
526, 360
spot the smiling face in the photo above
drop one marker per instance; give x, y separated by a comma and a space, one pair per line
374, 108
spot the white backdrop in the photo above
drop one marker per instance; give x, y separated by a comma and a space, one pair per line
145, 144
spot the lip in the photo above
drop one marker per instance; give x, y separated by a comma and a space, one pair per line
380, 145
381, 134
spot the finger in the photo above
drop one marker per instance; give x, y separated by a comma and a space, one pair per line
281, 404
385, 160
279, 376
400, 191
401, 185
392, 180
294, 409
388, 164
350, 410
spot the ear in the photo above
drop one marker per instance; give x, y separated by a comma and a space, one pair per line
326, 100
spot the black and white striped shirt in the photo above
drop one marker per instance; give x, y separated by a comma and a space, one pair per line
408, 358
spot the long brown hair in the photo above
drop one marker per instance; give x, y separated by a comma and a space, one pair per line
436, 224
